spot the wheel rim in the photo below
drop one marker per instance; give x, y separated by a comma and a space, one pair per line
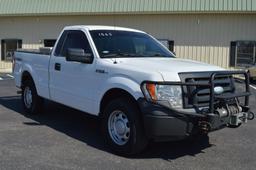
27, 97
119, 127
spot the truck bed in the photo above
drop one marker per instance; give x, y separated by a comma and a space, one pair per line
36, 62
43, 51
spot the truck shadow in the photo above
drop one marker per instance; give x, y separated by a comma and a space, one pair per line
86, 128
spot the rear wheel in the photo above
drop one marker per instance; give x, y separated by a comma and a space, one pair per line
122, 127
31, 102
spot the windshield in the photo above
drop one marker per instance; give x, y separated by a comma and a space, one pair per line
117, 44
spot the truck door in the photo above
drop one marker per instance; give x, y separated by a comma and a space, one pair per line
71, 83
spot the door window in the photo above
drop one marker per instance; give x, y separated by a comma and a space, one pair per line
60, 43
76, 40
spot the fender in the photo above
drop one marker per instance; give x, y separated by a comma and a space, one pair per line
28, 68
118, 81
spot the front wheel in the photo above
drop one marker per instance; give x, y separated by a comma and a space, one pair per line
122, 127
31, 102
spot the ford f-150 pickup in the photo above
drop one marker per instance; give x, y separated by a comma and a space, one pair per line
138, 88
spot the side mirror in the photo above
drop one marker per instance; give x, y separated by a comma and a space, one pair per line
78, 55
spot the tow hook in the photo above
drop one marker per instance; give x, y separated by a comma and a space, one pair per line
250, 115
204, 126
237, 119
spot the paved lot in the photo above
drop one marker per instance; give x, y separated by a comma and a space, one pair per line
62, 138
5, 76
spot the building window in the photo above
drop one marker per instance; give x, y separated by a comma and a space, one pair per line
49, 42
242, 53
167, 43
9, 46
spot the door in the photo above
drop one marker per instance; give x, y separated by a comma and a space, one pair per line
9, 46
71, 83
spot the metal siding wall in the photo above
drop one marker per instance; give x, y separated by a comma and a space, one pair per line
32, 46
199, 37
89, 7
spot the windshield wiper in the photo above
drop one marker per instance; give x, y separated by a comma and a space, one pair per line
124, 55
119, 55
158, 55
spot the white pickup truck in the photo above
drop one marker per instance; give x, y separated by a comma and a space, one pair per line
139, 89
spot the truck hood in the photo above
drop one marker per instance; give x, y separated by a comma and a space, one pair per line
167, 67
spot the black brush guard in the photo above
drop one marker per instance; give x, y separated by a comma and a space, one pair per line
207, 117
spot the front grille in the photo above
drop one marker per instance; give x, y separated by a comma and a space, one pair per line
200, 95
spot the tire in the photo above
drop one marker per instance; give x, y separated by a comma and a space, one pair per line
123, 128
32, 103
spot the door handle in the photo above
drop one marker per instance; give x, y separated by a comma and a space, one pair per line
57, 66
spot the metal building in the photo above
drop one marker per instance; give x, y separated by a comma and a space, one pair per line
220, 32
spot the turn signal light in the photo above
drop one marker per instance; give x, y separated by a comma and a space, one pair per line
152, 91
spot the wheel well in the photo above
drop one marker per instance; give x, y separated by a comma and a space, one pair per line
25, 77
113, 94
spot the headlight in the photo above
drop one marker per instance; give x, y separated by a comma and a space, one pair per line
168, 93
